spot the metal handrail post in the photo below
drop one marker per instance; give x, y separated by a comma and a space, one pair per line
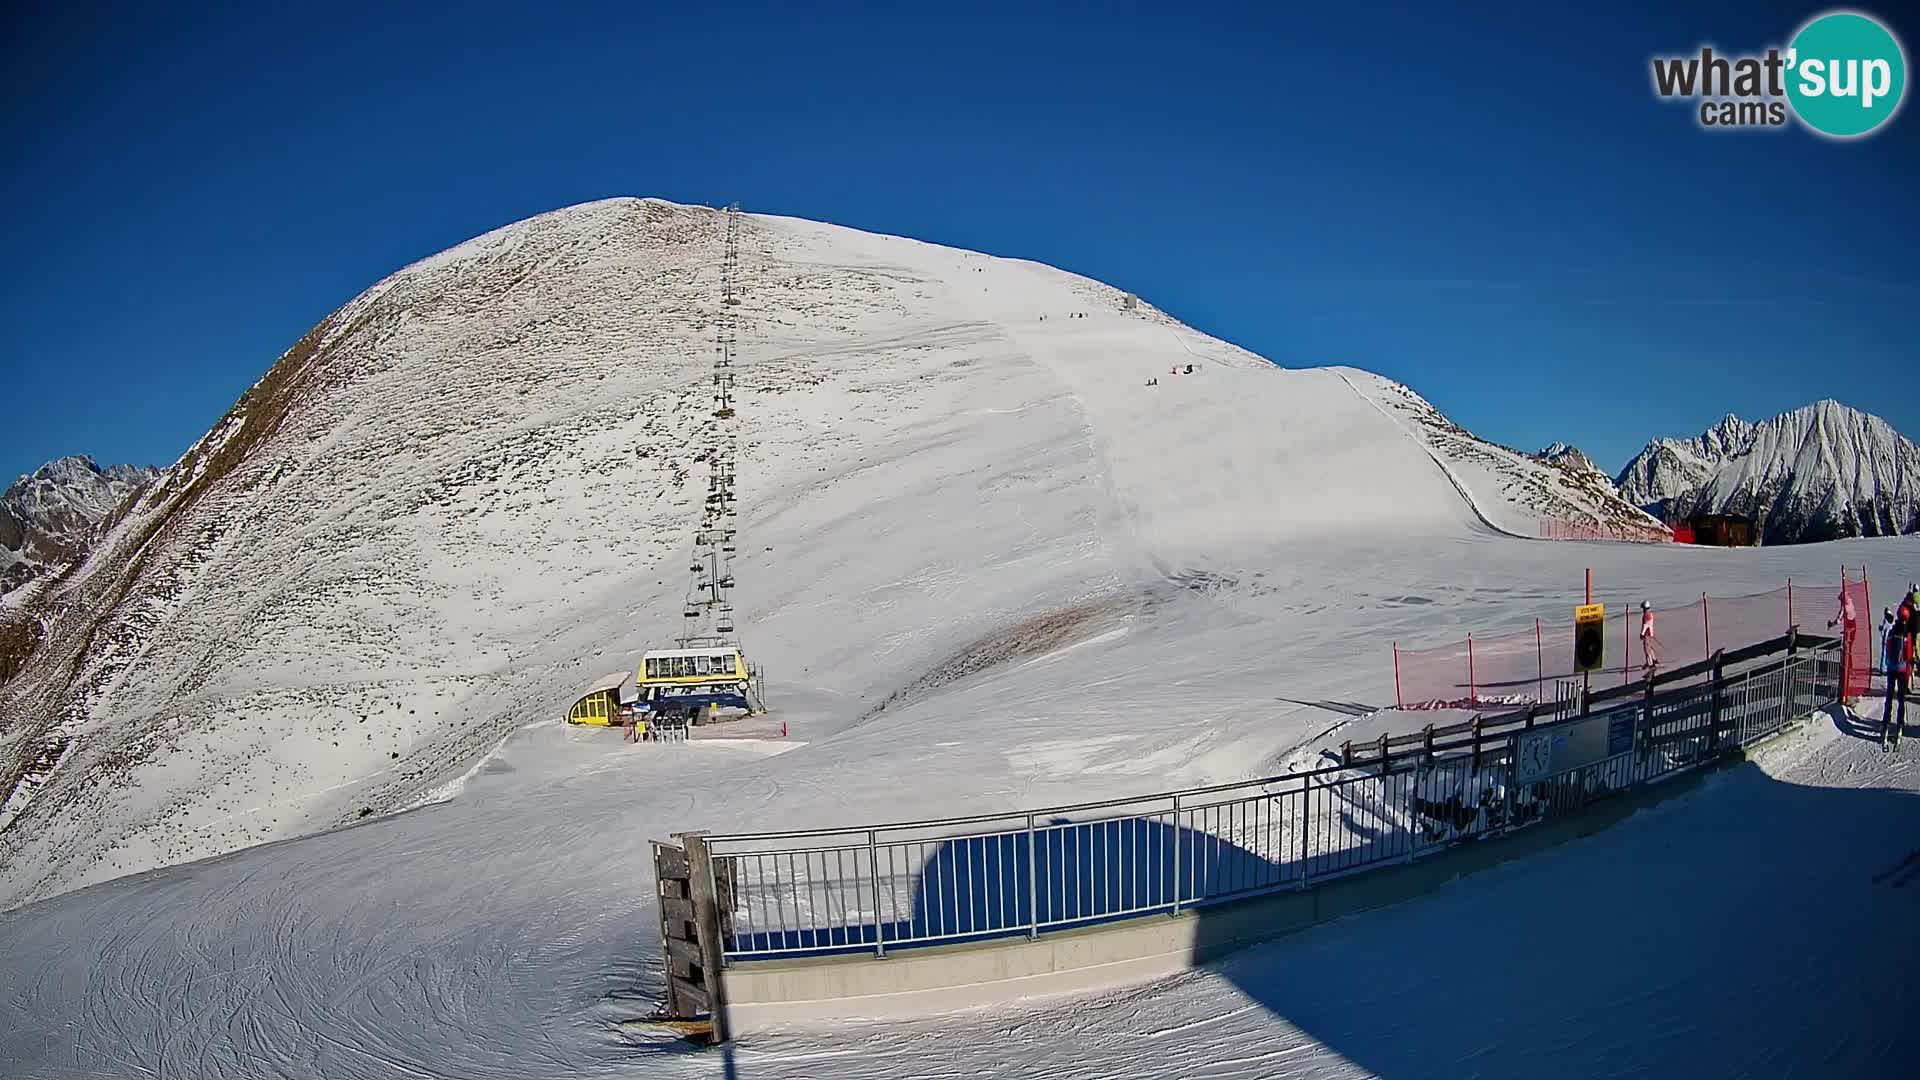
1033, 882
1176, 855
873, 870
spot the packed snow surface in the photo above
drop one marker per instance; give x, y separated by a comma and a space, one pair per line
1740, 930
986, 565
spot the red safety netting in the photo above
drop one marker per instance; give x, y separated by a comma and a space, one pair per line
1488, 671
1857, 668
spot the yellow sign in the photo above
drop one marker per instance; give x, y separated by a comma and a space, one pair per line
1589, 637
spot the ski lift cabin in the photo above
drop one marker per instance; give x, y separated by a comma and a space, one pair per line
605, 705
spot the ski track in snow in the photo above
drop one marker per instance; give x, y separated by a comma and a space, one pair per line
935, 468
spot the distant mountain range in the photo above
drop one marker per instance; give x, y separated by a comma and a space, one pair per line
49, 517
1821, 472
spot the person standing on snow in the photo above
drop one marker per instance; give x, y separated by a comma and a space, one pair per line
1649, 641
1844, 617
1896, 656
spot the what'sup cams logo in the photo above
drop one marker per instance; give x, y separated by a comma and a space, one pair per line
1843, 76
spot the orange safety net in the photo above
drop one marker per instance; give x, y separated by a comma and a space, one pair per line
1517, 668
1859, 659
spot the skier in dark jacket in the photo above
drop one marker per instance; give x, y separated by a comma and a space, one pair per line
1896, 657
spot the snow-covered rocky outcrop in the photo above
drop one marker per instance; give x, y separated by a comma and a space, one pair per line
48, 517
1820, 472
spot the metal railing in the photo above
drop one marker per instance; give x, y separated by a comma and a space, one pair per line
872, 889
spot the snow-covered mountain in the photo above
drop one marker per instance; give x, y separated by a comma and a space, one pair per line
996, 554
1518, 492
1819, 472
473, 487
1571, 457
50, 516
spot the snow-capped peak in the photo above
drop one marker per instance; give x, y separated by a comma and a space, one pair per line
48, 517
1820, 471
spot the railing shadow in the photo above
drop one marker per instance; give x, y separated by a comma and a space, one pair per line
1698, 943
1064, 875
1069, 874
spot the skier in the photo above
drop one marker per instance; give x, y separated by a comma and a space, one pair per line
1845, 614
1649, 641
1844, 617
1896, 656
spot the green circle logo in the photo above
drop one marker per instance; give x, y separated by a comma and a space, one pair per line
1846, 74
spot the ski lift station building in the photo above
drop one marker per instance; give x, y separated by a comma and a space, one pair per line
688, 680
607, 704
695, 676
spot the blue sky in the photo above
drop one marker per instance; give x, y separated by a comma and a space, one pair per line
1489, 206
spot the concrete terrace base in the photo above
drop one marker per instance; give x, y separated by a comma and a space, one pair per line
931, 980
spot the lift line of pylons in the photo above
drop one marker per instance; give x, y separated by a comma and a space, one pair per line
708, 670
709, 600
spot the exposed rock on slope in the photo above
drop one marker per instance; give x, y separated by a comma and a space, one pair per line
49, 517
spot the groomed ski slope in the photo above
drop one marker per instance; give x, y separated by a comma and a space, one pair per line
1757, 927
988, 568
1738, 931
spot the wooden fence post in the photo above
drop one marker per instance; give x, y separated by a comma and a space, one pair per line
1626, 650
680, 956
1706, 622
706, 922
1719, 701
1539, 663
1644, 730
1399, 700
1473, 689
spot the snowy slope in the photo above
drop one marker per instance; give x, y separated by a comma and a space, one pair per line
49, 516
506, 933
471, 490
467, 492
1513, 492
1819, 472
985, 564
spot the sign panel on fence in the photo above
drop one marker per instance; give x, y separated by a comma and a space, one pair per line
1620, 731
1533, 756
1539, 754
